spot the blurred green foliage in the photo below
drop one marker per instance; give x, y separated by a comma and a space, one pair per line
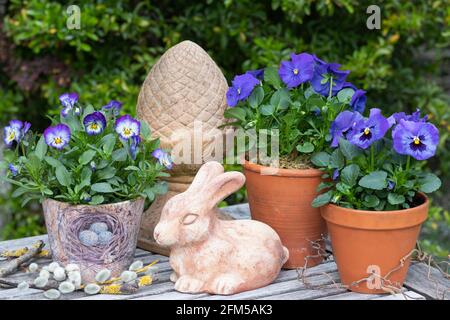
109, 56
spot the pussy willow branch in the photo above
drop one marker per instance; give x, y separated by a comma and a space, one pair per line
14, 264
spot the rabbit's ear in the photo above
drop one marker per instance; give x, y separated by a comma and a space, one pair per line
205, 175
222, 186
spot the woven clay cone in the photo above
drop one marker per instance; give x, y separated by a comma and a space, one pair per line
184, 88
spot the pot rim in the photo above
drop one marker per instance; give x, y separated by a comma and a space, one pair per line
121, 203
376, 220
272, 171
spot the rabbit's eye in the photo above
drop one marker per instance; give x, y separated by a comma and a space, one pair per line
189, 218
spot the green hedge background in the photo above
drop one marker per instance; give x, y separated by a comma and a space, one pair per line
403, 66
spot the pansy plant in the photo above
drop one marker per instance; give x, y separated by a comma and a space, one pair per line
300, 99
376, 162
86, 156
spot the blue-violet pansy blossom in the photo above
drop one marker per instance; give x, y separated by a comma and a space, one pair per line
13, 169
358, 101
368, 130
415, 116
134, 146
94, 123
343, 124
13, 132
57, 136
127, 127
324, 74
114, 106
258, 74
163, 158
298, 70
416, 139
241, 87
68, 101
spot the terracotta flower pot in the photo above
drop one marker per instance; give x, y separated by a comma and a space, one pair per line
114, 251
283, 201
373, 241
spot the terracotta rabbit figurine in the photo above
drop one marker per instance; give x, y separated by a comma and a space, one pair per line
212, 255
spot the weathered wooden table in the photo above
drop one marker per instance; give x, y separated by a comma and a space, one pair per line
420, 284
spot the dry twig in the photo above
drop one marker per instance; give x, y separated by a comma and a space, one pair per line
14, 264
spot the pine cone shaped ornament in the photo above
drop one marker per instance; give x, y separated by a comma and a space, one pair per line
185, 90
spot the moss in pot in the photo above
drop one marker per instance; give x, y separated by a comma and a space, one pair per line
296, 102
376, 203
92, 170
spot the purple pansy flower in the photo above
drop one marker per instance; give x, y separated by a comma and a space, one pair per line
297, 70
163, 158
258, 74
368, 130
26, 128
349, 85
336, 174
134, 146
57, 136
242, 87
324, 73
13, 169
13, 132
127, 127
94, 123
415, 116
391, 185
358, 101
342, 125
113, 105
68, 101
416, 139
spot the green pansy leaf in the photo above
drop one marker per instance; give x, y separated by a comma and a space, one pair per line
108, 142
106, 173
350, 174
145, 130
429, 183
160, 188
375, 180
267, 109
119, 155
349, 150
395, 199
324, 185
272, 77
63, 176
41, 148
102, 187
321, 159
256, 97
96, 200
345, 95
322, 199
53, 162
337, 159
371, 201
307, 147
87, 157
235, 113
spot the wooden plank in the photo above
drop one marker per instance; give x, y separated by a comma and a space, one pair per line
407, 295
432, 286
305, 294
352, 296
277, 288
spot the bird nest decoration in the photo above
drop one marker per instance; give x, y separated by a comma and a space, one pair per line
95, 252
94, 237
